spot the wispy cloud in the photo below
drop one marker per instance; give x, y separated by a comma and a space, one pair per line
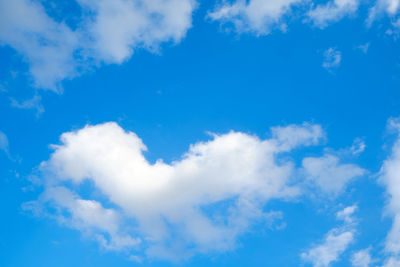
33, 103
3, 142
332, 58
333, 11
335, 242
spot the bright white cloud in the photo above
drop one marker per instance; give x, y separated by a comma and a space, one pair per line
335, 242
256, 16
329, 174
332, 11
361, 258
332, 58
203, 201
109, 32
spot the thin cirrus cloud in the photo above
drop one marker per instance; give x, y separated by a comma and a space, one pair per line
335, 242
201, 203
109, 32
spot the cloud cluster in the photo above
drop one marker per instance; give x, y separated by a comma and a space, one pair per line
198, 204
108, 31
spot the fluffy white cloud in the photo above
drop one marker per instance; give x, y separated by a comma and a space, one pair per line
292, 136
257, 16
332, 11
45, 44
329, 174
361, 258
346, 214
199, 203
335, 242
109, 32
89, 216
119, 26
332, 58
390, 178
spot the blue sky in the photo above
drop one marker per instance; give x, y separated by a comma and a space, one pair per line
199, 133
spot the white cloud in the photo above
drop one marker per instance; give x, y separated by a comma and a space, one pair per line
88, 216
390, 178
335, 242
392, 262
364, 47
358, 146
332, 11
256, 16
261, 17
199, 203
293, 135
347, 214
390, 7
33, 103
120, 26
3, 142
45, 44
329, 174
109, 32
361, 258
332, 58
